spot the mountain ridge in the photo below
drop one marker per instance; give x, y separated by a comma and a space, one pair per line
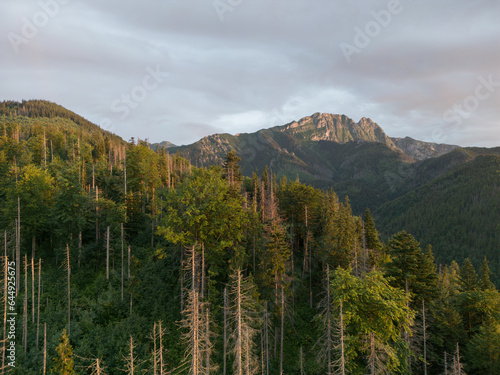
316, 127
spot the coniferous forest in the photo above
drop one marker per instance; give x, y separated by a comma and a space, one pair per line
121, 259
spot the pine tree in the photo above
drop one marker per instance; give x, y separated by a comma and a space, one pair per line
371, 233
64, 363
411, 269
484, 276
467, 277
232, 171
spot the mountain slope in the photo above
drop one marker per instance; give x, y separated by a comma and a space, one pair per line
283, 139
458, 212
324, 150
422, 150
58, 132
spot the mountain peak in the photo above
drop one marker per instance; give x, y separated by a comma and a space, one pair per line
336, 128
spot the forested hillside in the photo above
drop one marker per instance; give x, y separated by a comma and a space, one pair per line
457, 212
391, 176
129, 260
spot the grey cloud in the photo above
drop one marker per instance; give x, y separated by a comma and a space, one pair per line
265, 62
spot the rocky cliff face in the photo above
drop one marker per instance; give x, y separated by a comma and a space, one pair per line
336, 128
422, 150
295, 146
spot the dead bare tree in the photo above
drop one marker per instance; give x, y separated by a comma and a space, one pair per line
244, 321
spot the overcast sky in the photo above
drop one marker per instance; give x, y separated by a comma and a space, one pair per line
179, 70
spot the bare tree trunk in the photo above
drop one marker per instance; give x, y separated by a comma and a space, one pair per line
160, 338
266, 327
33, 290
125, 175
18, 245
155, 361
152, 232
253, 252
33, 246
44, 150
282, 327
79, 247
196, 334
38, 308
364, 247
371, 360
208, 366
121, 227
301, 360
202, 270
262, 353
342, 339
128, 262
96, 209
4, 341
68, 268
238, 359
225, 333
293, 268
247, 351
130, 358
425, 337
44, 348
25, 305
328, 324
107, 253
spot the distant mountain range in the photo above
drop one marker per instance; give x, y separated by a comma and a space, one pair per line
324, 150
165, 144
282, 141
445, 195
448, 196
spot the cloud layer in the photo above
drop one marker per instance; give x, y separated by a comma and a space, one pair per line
179, 70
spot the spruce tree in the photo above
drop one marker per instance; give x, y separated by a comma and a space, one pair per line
467, 277
371, 233
64, 362
484, 276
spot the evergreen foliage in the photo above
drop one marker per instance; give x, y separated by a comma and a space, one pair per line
189, 234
